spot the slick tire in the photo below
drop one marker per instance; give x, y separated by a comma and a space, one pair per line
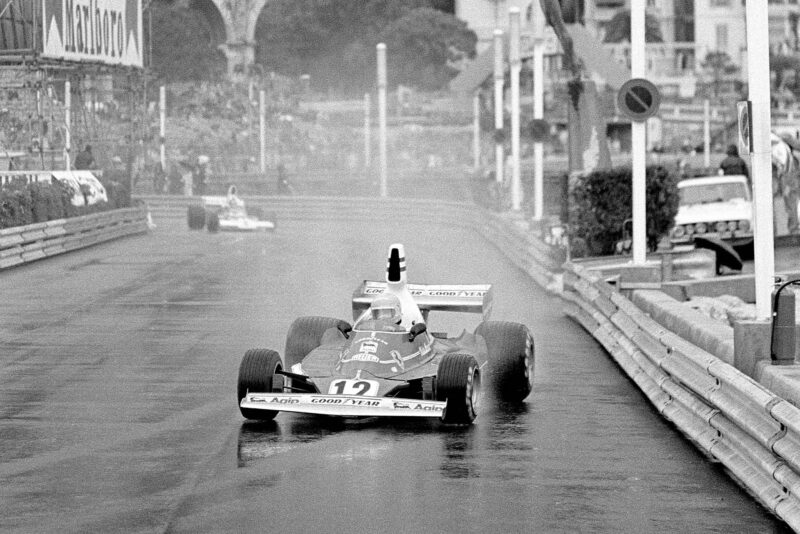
257, 375
212, 222
305, 335
511, 355
196, 217
458, 382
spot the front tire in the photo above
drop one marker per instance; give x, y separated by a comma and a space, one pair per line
511, 355
257, 374
305, 335
196, 217
212, 222
458, 382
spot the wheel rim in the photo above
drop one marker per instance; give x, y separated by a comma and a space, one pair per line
527, 359
473, 388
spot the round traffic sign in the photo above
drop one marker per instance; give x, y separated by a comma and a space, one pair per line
744, 123
538, 129
638, 99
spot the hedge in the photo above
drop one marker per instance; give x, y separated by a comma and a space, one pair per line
24, 203
600, 204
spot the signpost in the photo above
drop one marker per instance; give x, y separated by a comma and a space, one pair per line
636, 100
499, 79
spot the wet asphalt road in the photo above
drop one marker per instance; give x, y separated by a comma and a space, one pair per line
117, 403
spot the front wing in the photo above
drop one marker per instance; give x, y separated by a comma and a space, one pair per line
245, 224
343, 405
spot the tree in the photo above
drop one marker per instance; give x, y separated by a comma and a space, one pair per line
426, 43
334, 40
718, 65
183, 48
618, 29
782, 65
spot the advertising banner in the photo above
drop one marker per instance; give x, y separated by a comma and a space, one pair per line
98, 31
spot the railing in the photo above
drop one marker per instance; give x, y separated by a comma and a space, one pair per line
754, 433
23, 244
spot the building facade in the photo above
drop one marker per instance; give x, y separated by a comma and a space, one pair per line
692, 29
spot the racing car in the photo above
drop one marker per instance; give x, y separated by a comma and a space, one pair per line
227, 213
388, 363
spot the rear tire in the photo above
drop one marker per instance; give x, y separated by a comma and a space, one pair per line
196, 217
212, 222
305, 335
257, 375
511, 355
458, 382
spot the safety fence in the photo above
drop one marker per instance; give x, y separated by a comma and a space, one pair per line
23, 244
736, 421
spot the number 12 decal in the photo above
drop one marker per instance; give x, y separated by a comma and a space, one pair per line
354, 387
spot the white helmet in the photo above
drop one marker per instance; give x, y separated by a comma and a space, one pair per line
386, 308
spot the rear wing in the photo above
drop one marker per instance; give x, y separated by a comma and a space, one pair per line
472, 298
216, 201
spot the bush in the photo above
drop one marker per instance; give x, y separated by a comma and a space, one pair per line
22, 203
600, 203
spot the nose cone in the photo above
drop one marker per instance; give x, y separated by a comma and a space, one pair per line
396, 265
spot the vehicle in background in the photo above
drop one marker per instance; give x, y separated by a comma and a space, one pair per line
714, 207
228, 213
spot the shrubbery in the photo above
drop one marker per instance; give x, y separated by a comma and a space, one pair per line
600, 203
22, 203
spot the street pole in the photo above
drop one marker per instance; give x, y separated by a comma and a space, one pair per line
381, 48
706, 134
162, 114
499, 74
367, 133
262, 129
476, 132
638, 139
757, 17
515, 65
67, 125
538, 111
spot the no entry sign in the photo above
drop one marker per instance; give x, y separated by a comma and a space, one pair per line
638, 99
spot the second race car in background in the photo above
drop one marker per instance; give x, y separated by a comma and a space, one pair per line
389, 363
228, 213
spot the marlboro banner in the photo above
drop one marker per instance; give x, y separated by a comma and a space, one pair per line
99, 31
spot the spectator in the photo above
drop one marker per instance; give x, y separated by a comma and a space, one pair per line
159, 178
199, 178
174, 180
734, 164
284, 188
84, 160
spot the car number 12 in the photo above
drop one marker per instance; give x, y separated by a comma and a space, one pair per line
354, 387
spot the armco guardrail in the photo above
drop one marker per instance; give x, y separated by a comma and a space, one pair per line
729, 416
23, 244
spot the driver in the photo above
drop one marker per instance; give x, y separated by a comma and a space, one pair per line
386, 309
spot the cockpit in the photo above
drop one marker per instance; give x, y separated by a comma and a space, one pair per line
385, 314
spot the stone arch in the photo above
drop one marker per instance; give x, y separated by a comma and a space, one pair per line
238, 21
212, 14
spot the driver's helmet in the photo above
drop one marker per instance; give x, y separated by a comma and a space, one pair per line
386, 308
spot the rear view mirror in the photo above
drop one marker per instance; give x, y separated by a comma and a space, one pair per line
344, 328
416, 330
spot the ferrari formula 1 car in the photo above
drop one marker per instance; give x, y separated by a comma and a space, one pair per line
227, 213
389, 363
